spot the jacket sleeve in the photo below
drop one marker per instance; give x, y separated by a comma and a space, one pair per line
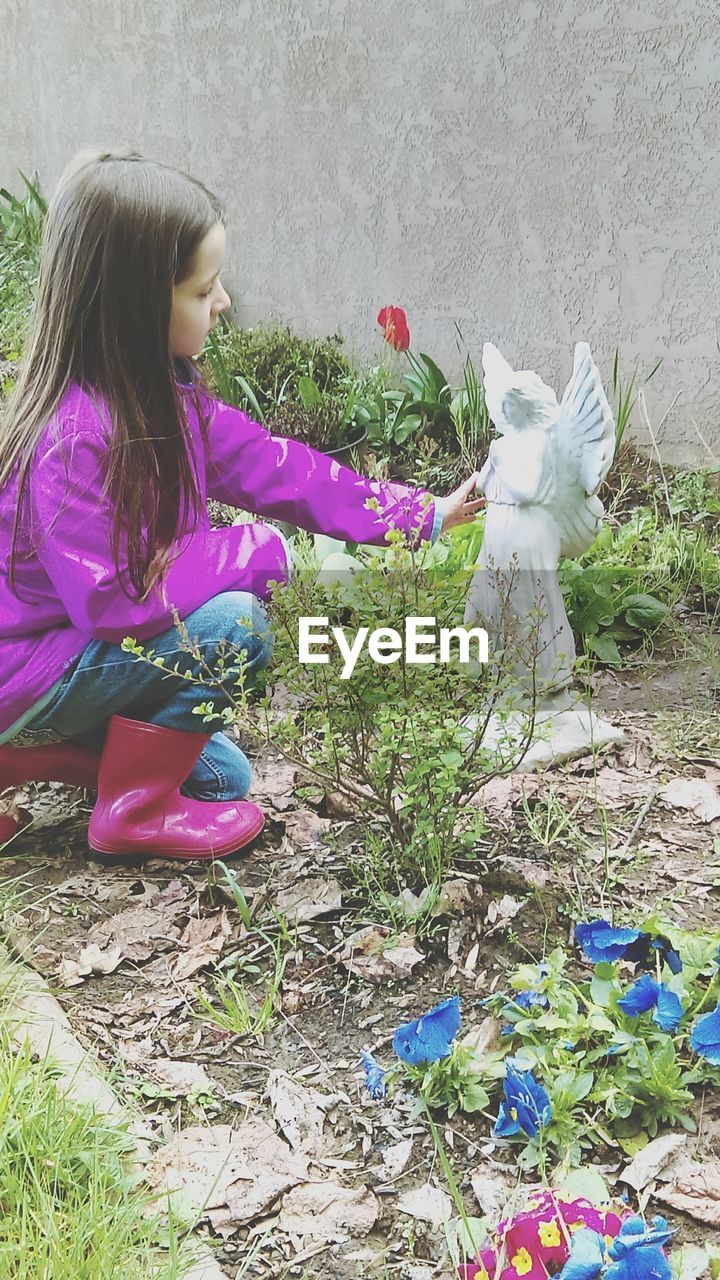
71, 521
281, 478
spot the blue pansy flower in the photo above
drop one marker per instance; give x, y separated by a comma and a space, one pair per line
637, 1253
526, 1105
647, 994
717, 958
705, 1036
587, 1256
640, 997
668, 952
643, 952
600, 941
528, 1000
669, 1009
374, 1075
429, 1038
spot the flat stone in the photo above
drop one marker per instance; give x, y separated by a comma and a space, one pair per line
564, 729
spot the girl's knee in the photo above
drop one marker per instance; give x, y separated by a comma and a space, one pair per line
241, 620
250, 626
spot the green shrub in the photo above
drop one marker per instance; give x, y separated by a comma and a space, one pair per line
388, 737
21, 223
271, 362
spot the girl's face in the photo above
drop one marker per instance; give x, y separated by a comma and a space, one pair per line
198, 301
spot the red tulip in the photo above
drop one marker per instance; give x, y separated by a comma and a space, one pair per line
394, 323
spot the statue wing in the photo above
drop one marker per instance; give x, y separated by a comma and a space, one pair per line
585, 430
583, 442
497, 378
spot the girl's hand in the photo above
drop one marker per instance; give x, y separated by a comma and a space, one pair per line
459, 507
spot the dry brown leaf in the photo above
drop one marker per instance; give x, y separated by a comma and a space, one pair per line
396, 1158
426, 1203
340, 806
696, 1191
204, 939
234, 1175
305, 828
491, 1191
522, 871
68, 974
700, 795
483, 1038
92, 959
10, 806
275, 781
462, 896
457, 938
500, 794
205, 1266
645, 1166
502, 910
84, 885
376, 954
142, 930
328, 1211
299, 1111
316, 896
181, 1077
616, 787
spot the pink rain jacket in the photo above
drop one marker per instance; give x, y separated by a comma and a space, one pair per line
69, 592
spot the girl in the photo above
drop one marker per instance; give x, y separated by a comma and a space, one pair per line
109, 449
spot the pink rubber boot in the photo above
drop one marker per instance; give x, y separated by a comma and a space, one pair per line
140, 810
49, 762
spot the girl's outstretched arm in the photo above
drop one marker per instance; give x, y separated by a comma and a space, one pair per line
281, 478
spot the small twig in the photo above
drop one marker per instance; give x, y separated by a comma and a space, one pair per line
710, 452
620, 853
644, 412
306, 1042
347, 987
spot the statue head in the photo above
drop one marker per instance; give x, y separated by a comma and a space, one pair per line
516, 400
528, 403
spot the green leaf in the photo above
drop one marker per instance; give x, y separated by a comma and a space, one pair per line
585, 1184
309, 393
406, 428
437, 379
604, 648
474, 1098
643, 611
601, 990
634, 1143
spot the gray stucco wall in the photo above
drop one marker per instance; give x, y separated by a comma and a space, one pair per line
539, 171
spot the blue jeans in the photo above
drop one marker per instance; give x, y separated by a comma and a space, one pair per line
105, 681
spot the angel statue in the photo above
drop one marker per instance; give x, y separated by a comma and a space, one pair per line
540, 481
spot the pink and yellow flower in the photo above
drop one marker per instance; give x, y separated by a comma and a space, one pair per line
535, 1243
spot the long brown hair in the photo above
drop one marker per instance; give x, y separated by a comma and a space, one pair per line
120, 232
